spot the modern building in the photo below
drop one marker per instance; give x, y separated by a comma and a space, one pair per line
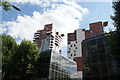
74, 50
53, 66
96, 29
98, 62
48, 38
74, 47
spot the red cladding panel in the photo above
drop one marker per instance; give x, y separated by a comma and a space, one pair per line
48, 27
71, 37
87, 34
96, 24
79, 63
96, 31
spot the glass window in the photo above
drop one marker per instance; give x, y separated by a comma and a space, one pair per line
69, 48
74, 59
103, 68
68, 42
94, 59
74, 45
102, 58
74, 54
95, 69
68, 51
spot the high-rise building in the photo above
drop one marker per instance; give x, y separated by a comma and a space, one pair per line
74, 47
52, 65
48, 39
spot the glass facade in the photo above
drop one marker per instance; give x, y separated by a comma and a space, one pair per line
54, 66
98, 63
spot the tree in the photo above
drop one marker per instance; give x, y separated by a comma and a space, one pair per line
7, 6
8, 46
26, 56
115, 37
19, 61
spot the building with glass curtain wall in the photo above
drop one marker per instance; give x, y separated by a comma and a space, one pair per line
98, 62
54, 66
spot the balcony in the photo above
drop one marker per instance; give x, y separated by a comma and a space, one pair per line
36, 37
49, 32
37, 33
56, 43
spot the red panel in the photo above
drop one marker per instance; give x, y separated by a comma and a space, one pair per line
79, 63
48, 27
87, 34
96, 24
71, 37
95, 29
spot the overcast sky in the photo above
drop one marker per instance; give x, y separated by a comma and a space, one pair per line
66, 16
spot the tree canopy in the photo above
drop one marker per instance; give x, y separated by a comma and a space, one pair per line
115, 36
19, 61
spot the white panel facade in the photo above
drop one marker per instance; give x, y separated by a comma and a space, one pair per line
74, 47
80, 36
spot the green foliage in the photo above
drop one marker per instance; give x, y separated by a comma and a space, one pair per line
8, 46
27, 55
19, 60
116, 17
7, 6
115, 37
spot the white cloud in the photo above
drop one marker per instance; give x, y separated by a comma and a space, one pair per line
65, 18
43, 3
40, 1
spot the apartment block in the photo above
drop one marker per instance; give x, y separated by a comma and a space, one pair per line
52, 65
48, 38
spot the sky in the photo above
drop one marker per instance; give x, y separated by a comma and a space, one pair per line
66, 16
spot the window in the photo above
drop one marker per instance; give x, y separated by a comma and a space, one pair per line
46, 28
71, 45
68, 42
74, 45
51, 47
51, 44
74, 54
44, 32
74, 58
68, 51
69, 48
51, 41
71, 54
